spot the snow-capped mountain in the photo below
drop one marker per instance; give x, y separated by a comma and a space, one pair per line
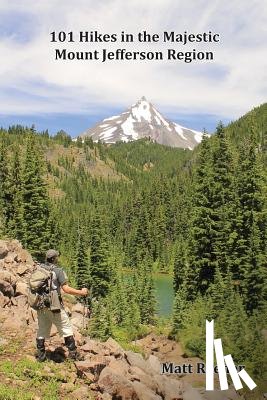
143, 120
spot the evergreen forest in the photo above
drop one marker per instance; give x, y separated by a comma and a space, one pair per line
120, 213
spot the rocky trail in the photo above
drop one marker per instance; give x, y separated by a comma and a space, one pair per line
107, 372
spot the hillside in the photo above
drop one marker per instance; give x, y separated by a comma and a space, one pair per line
108, 371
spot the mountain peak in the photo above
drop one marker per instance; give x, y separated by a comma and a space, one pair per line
143, 120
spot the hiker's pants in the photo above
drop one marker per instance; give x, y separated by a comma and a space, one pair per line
61, 320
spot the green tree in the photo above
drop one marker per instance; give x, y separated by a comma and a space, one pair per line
100, 270
35, 200
83, 277
202, 255
180, 264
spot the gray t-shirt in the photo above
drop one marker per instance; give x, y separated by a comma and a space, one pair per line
61, 276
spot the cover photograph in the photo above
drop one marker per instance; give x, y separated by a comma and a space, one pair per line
133, 200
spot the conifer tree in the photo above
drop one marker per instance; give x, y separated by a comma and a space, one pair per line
179, 309
180, 264
5, 186
83, 277
250, 246
202, 255
223, 198
145, 292
100, 270
35, 200
16, 223
100, 326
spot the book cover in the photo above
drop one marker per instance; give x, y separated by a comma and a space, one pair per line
133, 219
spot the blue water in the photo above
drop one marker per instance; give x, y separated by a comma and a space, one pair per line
164, 294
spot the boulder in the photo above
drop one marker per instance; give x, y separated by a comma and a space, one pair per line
154, 347
106, 396
21, 288
144, 393
136, 360
78, 320
119, 367
193, 394
3, 249
6, 288
24, 257
21, 301
154, 363
7, 276
78, 308
116, 385
14, 322
82, 393
3, 300
114, 347
139, 375
169, 389
94, 365
91, 346
10, 258
78, 338
22, 269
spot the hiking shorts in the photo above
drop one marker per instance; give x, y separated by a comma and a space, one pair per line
61, 320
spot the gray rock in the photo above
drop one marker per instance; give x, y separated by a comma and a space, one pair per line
94, 365
119, 367
116, 385
154, 363
6, 288
106, 396
170, 389
3, 300
82, 393
22, 269
136, 360
114, 347
7, 276
144, 393
78, 308
91, 346
21, 288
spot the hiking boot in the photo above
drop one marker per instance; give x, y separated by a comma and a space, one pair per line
76, 356
73, 353
41, 354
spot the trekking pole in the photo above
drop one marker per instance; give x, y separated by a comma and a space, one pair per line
84, 300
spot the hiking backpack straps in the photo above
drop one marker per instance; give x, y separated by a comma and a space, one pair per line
39, 287
42, 291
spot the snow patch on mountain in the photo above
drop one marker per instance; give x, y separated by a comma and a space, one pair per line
140, 121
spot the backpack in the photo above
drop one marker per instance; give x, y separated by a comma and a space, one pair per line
42, 293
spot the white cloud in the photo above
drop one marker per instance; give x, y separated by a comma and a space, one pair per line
32, 82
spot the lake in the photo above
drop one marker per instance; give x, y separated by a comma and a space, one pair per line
164, 294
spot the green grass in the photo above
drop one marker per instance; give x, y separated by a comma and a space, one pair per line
36, 380
9, 393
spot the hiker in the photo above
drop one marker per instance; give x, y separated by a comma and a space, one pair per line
58, 316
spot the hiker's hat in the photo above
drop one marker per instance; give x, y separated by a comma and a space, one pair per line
51, 253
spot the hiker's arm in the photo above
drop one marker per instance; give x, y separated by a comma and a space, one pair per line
76, 292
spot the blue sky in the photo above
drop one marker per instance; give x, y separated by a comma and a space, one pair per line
53, 95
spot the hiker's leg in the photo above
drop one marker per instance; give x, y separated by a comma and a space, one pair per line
44, 328
64, 327
71, 345
40, 344
44, 323
63, 324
